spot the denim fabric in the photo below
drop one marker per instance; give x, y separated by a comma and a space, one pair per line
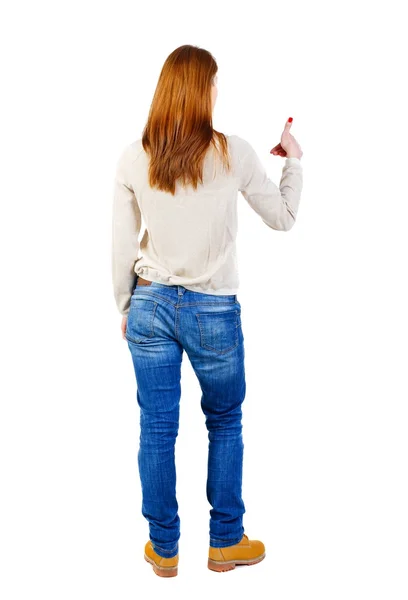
163, 321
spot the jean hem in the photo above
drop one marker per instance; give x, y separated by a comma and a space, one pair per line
216, 543
163, 552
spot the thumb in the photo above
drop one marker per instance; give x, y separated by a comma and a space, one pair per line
288, 123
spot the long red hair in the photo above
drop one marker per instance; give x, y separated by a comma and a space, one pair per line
179, 128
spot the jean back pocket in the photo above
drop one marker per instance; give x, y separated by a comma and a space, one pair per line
140, 321
219, 330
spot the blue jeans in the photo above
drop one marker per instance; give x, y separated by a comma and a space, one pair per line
163, 321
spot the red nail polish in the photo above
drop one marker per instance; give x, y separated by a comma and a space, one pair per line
290, 119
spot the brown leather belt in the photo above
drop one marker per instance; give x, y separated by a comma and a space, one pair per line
141, 281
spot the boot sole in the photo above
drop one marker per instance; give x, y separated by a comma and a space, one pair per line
229, 565
162, 571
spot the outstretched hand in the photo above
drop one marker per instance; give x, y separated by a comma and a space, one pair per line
288, 146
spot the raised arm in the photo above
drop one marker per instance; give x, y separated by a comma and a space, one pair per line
126, 224
277, 206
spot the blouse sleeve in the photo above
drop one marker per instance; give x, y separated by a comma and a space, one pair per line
126, 224
277, 206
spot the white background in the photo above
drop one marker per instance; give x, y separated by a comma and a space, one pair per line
323, 305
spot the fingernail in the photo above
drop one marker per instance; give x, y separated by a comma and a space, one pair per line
290, 119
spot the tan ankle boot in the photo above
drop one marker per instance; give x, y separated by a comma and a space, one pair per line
246, 552
164, 567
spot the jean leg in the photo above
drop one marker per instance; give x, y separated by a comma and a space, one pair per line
157, 364
222, 381
225, 469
